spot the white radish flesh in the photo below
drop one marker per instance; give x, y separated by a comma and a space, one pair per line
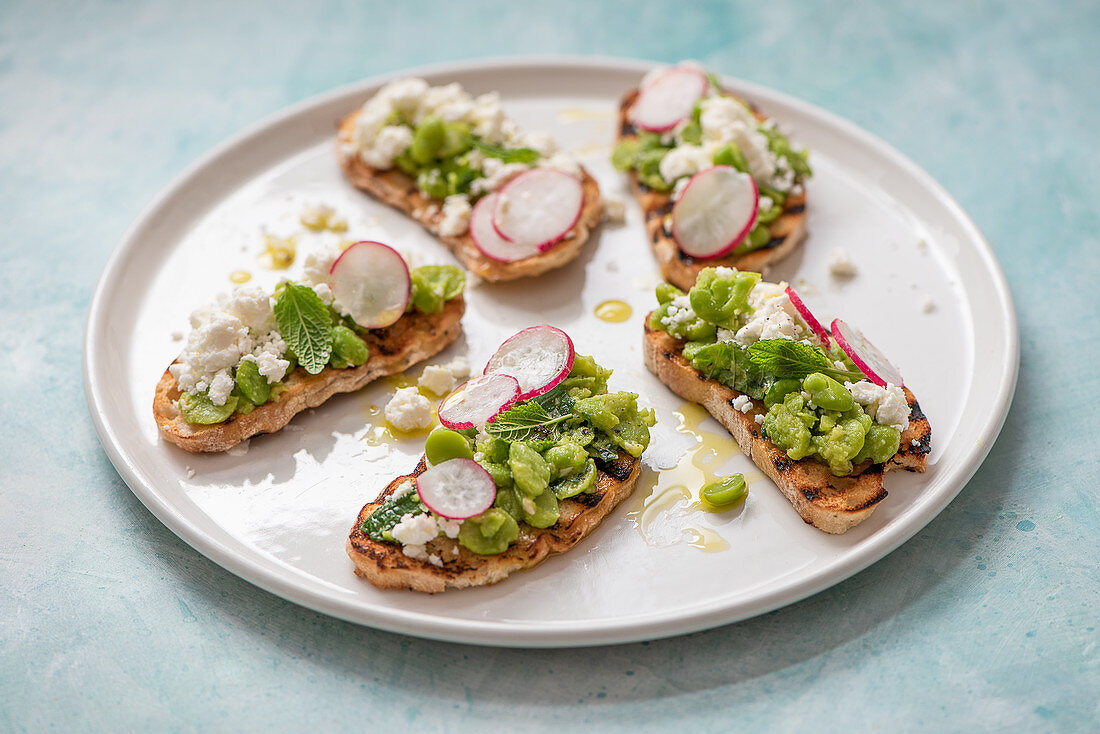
456, 489
865, 355
538, 357
538, 208
371, 282
668, 98
715, 212
478, 401
485, 236
808, 317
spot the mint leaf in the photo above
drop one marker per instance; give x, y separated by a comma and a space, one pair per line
508, 155
389, 513
526, 422
557, 402
786, 359
305, 325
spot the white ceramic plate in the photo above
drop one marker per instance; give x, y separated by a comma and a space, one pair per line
278, 515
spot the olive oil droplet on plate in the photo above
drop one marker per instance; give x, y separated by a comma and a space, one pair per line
614, 311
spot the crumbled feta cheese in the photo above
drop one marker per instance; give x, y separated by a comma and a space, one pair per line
679, 313
190, 473
450, 103
487, 118
540, 142
441, 379
742, 403
684, 160
318, 265
894, 409
717, 114
315, 273
495, 173
240, 449
390, 142
726, 335
759, 418
563, 162
449, 527
403, 489
324, 292
415, 551
415, 529
765, 203
408, 410
886, 405
456, 215
678, 188
773, 317
177, 336
840, 264
222, 333
435, 560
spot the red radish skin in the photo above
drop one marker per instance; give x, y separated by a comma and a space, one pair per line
456, 489
538, 208
371, 280
526, 357
486, 238
697, 207
808, 317
668, 98
478, 401
865, 355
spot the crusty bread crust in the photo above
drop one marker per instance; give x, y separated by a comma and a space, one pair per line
399, 190
829, 503
681, 270
387, 567
415, 337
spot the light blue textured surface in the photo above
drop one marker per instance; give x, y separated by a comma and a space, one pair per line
985, 620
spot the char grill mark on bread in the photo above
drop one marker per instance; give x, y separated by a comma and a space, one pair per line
829, 503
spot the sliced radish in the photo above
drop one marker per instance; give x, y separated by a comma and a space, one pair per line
491, 244
808, 317
456, 489
668, 98
715, 212
478, 401
538, 357
371, 281
538, 208
866, 355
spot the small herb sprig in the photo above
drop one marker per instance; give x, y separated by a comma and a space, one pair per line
786, 359
305, 326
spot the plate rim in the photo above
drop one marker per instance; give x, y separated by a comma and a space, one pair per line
541, 634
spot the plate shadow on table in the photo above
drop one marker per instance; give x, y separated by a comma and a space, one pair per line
691, 663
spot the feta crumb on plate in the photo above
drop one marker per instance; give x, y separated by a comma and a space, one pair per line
840, 264
408, 410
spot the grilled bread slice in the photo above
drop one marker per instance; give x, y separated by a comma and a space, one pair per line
829, 503
387, 567
399, 190
414, 337
681, 270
